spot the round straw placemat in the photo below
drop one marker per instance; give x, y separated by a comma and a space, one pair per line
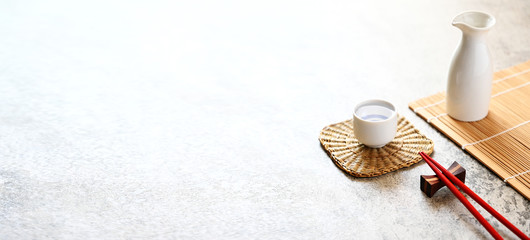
360, 161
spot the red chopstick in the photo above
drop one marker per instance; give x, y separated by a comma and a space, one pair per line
462, 199
475, 197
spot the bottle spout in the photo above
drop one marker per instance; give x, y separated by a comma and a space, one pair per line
474, 21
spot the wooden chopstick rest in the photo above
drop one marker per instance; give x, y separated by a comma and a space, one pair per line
430, 184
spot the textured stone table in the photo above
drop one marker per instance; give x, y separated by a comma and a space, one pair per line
199, 120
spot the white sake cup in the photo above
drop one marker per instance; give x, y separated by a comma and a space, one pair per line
375, 122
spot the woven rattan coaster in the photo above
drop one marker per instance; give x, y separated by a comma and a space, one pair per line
361, 161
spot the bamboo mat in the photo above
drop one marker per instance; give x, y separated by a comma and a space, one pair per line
501, 141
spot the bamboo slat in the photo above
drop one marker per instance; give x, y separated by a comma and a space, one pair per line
501, 141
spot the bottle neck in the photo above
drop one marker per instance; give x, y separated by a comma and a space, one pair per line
473, 36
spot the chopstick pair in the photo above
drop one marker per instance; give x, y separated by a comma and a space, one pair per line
445, 174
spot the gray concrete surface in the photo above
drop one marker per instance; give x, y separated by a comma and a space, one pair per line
200, 119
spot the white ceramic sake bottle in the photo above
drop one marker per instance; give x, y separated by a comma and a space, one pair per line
471, 71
